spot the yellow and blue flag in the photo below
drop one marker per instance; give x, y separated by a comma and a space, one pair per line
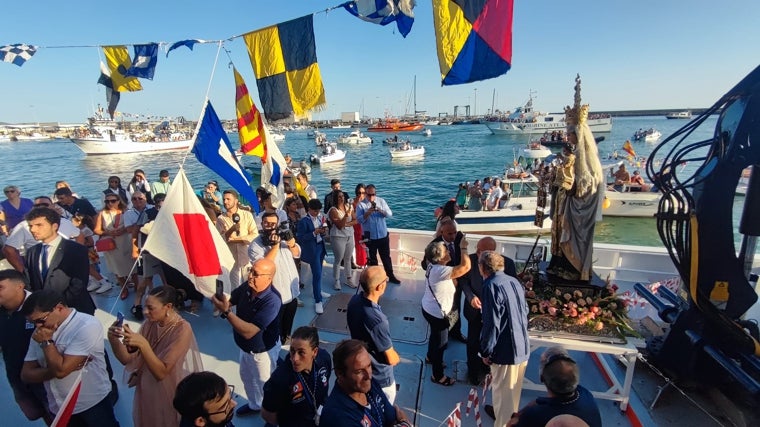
118, 60
473, 39
284, 60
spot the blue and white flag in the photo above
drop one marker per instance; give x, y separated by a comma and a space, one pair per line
17, 53
213, 149
383, 12
144, 64
187, 43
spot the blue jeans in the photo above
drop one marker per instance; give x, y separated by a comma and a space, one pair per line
100, 415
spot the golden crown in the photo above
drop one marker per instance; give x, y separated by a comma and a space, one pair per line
578, 113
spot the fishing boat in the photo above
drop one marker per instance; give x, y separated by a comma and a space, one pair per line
679, 115
648, 135
525, 120
105, 136
330, 153
392, 124
354, 137
406, 151
277, 136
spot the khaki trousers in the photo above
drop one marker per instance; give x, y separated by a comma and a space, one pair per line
506, 387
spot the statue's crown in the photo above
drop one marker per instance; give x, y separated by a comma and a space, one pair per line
577, 114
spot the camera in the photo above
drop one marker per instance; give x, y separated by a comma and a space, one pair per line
374, 205
283, 232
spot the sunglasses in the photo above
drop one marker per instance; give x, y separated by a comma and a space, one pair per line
9, 191
42, 205
42, 320
113, 200
226, 405
138, 198
370, 194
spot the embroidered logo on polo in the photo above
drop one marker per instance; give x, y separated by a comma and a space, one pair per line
322, 374
296, 392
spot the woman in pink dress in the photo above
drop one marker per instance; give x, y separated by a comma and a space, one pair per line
359, 247
156, 358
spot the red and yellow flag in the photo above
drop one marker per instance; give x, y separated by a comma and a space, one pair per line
253, 140
628, 148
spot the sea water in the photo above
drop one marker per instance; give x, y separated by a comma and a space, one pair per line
412, 187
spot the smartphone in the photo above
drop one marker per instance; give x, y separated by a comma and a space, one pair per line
219, 290
119, 319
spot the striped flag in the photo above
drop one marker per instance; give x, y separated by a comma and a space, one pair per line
64, 414
253, 139
628, 148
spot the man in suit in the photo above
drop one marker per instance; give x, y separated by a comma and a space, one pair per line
311, 232
57, 263
451, 238
472, 286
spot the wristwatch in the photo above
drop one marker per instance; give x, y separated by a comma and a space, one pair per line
46, 343
225, 314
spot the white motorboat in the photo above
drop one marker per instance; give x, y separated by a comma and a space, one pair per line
105, 136
648, 135
517, 216
277, 136
679, 115
427, 132
406, 151
627, 203
524, 120
354, 137
330, 153
341, 126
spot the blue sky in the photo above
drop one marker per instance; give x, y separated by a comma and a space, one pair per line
631, 55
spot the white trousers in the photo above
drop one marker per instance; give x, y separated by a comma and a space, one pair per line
255, 370
342, 250
506, 387
390, 392
238, 273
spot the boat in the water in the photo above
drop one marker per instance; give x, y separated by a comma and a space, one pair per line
391, 124
427, 132
277, 136
525, 120
679, 115
105, 136
406, 151
646, 135
330, 153
354, 137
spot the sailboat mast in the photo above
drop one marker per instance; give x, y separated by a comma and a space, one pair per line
493, 102
415, 94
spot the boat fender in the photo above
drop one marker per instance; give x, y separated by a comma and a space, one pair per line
606, 203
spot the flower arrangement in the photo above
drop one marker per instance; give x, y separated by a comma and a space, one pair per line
596, 312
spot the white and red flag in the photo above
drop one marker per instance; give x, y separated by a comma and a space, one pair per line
184, 237
67, 408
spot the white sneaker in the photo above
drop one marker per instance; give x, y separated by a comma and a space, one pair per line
318, 308
336, 286
350, 283
92, 285
105, 286
325, 295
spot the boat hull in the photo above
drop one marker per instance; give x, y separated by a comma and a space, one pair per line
101, 147
526, 128
394, 128
337, 157
406, 154
516, 218
631, 204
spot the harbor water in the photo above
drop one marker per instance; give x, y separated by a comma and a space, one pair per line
412, 187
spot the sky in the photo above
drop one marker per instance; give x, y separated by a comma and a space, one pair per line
646, 54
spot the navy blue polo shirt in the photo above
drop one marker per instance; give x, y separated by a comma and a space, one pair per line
582, 405
263, 311
342, 411
293, 397
367, 323
15, 333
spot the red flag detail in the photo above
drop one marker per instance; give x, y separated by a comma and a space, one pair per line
63, 416
198, 244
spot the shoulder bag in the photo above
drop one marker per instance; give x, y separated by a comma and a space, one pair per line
106, 244
453, 315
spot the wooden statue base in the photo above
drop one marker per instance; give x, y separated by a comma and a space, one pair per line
591, 287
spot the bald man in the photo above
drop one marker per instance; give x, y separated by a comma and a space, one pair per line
472, 287
255, 325
367, 323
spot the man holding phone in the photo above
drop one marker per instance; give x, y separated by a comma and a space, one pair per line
311, 231
372, 213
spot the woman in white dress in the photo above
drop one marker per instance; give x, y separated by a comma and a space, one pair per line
110, 224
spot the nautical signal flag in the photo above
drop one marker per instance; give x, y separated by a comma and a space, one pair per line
272, 172
253, 140
628, 148
383, 12
187, 43
66, 410
112, 97
284, 60
118, 61
17, 53
473, 39
144, 64
184, 237
213, 149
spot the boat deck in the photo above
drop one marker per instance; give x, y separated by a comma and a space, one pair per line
427, 404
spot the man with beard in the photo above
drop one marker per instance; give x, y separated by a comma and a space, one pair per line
204, 399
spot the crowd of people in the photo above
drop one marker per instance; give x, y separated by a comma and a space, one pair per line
48, 332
